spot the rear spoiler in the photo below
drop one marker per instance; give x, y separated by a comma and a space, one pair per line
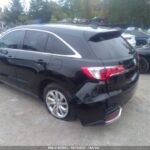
101, 36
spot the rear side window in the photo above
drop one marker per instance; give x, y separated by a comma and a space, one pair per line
115, 48
56, 46
35, 41
12, 40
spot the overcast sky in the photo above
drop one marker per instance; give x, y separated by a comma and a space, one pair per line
3, 3
6, 2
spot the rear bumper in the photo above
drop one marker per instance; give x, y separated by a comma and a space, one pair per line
104, 108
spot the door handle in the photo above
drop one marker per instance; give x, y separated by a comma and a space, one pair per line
10, 56
40, 60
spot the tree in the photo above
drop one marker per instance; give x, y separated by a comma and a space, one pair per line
57, 11
81, 8
13, 12
68, 7
53, 19
135, 12
40, 10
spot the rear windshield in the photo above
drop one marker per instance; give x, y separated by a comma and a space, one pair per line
115, 48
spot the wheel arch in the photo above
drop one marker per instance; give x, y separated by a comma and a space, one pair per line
67, 84
143, 55
147, 61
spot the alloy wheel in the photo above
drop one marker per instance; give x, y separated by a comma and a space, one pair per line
57, 104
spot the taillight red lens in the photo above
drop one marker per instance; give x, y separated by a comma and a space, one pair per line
103, 73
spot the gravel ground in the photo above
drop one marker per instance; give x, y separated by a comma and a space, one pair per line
25, 121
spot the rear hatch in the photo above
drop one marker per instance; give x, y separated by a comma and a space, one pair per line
113, 50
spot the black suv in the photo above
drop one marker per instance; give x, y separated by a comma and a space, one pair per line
83, 72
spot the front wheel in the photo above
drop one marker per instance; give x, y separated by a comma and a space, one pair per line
144, 65
56, 99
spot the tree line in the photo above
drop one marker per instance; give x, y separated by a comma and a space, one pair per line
136, 12
48, 10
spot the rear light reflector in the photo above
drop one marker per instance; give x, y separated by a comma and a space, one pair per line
103, 73
110, 118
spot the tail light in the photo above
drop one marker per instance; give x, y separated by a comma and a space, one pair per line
103, 73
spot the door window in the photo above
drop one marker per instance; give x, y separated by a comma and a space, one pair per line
12, 40
56, 46
35, 40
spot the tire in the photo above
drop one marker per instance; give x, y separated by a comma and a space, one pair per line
144, 65
52, 95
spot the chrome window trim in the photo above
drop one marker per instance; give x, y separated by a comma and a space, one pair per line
76, 54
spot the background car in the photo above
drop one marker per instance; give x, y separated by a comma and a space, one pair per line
99, 20
142, 38
130, 38
144, 54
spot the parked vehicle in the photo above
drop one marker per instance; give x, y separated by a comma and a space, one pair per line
142, 37
144, 53
66, 21
83, 72
80, 21
130, 38
131, 28
99, 20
